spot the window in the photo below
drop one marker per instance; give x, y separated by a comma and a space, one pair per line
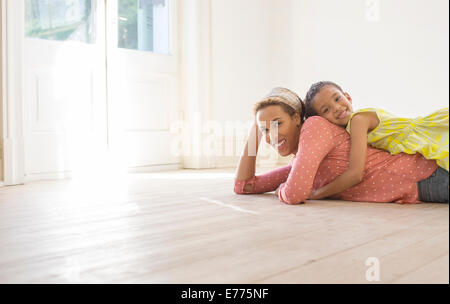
144, 25
59, 20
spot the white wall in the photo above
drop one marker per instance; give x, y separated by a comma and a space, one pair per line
399, 62
251, 53
397, 59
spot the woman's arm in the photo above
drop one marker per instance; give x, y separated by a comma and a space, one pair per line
247, 162
245, 181
361, 124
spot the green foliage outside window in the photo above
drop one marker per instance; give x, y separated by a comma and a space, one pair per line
59, 20
128, 33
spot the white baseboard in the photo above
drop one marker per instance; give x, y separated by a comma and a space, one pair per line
155, 168
69, 175
48, 176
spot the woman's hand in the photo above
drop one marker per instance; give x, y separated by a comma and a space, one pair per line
278, 189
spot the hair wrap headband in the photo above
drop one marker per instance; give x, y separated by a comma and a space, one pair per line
285, 96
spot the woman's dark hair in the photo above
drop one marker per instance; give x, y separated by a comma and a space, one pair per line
311, 94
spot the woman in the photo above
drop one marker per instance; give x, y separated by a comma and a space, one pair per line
321, 152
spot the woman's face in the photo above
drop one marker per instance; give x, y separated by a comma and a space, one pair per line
281, 130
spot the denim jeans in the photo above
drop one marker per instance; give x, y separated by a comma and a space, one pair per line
435, 188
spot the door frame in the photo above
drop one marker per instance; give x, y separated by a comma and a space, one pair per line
12, 89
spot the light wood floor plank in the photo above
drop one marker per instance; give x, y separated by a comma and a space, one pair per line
435, 272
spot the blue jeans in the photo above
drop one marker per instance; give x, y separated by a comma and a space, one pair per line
435, 188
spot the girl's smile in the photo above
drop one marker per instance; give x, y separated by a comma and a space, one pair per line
333, 105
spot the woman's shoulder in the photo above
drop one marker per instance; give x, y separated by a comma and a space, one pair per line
321, 124
318, 121
318, 133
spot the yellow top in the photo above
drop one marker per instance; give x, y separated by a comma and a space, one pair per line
427, 135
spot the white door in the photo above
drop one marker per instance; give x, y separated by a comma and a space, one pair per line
142, 81
100, 80
65, 122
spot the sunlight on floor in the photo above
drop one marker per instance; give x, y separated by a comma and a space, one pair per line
187, 174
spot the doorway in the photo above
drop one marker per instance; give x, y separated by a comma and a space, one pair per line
100, 83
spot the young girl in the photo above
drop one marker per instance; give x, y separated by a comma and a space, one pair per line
428, 135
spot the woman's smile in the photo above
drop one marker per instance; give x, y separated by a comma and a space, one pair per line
282, 131
281, 145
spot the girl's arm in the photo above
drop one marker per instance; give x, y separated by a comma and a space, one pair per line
361, 124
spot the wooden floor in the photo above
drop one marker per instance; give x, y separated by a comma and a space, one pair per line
189, 227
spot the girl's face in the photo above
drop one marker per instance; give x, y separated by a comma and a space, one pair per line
332, 104
281, 131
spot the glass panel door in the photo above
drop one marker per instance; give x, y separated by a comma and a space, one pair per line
144, 25
60, 20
